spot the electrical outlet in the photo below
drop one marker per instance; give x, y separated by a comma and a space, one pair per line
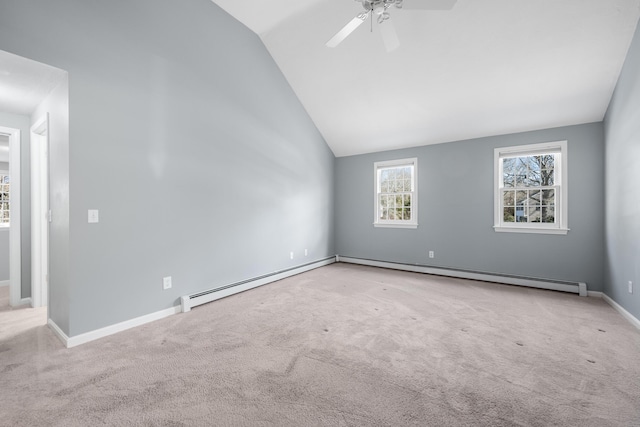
166, 283
93, 216
630, 287
432, 254
291, 255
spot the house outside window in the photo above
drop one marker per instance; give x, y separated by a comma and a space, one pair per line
396, 193
531, 188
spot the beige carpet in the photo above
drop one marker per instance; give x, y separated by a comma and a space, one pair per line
343, 345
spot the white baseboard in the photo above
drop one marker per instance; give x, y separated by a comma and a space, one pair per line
577, 288
595, 294
620, 309
189, 301
25, 301
4, 283
56, 329
112, 329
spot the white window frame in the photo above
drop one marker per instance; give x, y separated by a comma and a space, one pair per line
395, 223
559, 148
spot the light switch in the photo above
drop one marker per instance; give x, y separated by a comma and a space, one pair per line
93, 216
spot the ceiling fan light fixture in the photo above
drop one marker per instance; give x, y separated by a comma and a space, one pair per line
379, 8
383, 17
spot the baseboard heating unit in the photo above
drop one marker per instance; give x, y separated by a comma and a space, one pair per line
193, 300
579, 288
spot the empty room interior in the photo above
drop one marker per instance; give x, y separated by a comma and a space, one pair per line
320, 212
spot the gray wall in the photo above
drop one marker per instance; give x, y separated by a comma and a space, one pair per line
4, 254
186, 136
622, 152
455, 184
17, 121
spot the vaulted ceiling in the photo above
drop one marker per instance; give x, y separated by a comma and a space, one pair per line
25, 83
486, 67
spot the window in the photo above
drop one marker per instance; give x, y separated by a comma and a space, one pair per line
4, 199
396, 193
531, 188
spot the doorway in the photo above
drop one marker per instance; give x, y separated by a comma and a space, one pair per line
15, 263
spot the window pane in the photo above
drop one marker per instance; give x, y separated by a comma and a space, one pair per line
548, 169
384, 186
548, 214
383, 201
508, 215
548, 161
407, 214
520, 166
398, 213
508, 180
549, 197
509, 198
521, 196
533, 179
407, 184
535, 163
534, 198
407, 200
384, 214
508, 164
547, 177
534, 214
520, 214
399, 200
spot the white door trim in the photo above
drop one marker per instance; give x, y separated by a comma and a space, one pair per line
39, 212
15, 264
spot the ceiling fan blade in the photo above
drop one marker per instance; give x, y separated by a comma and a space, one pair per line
347, 29
429, 4
389, 35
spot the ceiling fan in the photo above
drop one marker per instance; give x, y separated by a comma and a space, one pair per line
379, 8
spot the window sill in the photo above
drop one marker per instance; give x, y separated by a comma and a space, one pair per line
532, 230
379, 225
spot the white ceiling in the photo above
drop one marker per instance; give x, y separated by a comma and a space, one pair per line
487, 67
25, 83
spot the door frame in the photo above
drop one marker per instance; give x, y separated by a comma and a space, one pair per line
15, 262
40, 212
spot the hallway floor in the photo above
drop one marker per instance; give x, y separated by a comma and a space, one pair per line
17, 320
